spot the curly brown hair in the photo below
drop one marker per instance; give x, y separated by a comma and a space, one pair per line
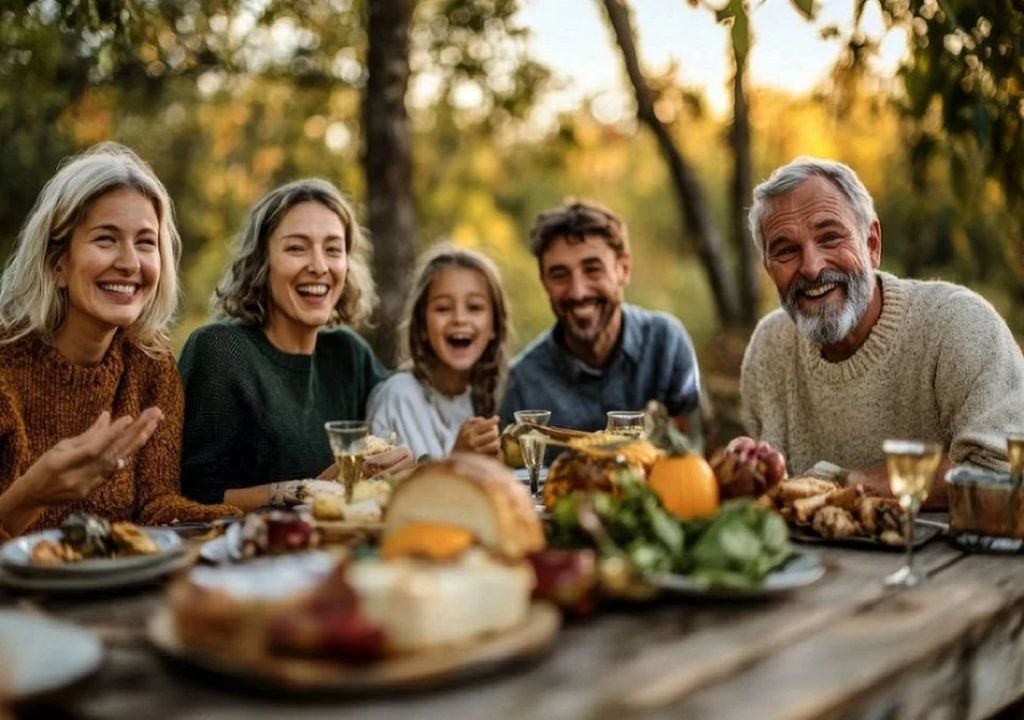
488, 373
244, 293
574, 221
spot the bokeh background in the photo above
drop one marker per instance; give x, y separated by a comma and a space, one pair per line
461, 119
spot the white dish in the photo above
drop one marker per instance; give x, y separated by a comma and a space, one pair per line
16, 556
803, 569
40, 655
88, 583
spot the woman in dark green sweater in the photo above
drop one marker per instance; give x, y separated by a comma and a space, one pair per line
261, 381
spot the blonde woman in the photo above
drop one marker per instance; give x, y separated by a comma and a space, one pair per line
90, 401
280, 362
456, 330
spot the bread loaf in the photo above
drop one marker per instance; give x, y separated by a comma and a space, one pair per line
472, 492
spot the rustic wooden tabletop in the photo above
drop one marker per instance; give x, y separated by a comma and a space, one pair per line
842, 648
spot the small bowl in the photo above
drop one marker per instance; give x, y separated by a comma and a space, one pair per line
984, 502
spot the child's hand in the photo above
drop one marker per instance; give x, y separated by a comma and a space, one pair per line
479, 435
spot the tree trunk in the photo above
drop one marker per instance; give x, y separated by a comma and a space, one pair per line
742, 193
387, 162
689, 192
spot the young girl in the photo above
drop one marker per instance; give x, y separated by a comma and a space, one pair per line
456, 323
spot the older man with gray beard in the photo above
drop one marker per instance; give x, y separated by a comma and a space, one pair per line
856, 355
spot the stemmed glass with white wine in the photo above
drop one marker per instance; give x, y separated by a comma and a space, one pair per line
912, 465
629, 423
348, 443
532, 444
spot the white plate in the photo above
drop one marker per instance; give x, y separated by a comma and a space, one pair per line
803, 569
16, 556
80, 584
40, 655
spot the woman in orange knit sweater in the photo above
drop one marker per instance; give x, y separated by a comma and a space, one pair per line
90, 400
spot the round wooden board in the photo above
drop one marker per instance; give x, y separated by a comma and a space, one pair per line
415, 671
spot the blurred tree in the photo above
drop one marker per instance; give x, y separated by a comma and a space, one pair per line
391, 212
281, 75
963, 98
689, 190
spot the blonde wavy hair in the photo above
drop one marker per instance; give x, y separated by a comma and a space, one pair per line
31, 301
488, 373
244, 293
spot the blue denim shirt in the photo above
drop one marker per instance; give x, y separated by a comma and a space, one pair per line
654, 360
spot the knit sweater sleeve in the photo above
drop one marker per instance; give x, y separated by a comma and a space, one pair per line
979, 380
158, 494
214, 451
12, 445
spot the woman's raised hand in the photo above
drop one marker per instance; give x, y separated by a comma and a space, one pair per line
75, 466
479, 435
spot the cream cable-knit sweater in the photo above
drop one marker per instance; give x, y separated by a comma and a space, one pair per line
940, 365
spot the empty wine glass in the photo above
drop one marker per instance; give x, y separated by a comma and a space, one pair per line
912, 465
626, 422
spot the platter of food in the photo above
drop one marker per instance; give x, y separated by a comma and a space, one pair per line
827, 512
87, 546
446, 595
40, 655
94, 583
441, 665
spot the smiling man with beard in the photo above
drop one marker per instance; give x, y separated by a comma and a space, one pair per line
602, 354
856, 355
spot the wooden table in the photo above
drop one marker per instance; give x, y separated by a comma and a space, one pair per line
843, 648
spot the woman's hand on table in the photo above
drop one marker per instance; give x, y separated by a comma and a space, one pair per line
479, 435
296, 492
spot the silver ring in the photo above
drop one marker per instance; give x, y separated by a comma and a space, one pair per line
120, 463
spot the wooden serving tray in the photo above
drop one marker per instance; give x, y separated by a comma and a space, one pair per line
414, 671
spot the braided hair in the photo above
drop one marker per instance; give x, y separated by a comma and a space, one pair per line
488, 373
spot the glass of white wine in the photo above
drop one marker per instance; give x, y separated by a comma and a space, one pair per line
912, 465
1015, 454
348, 443
532, 444
629, 423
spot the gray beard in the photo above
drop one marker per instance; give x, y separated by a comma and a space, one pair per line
830, 325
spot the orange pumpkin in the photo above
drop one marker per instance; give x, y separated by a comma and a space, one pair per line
686, 485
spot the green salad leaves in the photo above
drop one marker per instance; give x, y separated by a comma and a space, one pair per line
735, 548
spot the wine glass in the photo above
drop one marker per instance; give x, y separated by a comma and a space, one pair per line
626, 422
348, 443
532, 444
1015, 454
912, 465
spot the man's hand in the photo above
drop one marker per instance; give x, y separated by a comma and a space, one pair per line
479, 435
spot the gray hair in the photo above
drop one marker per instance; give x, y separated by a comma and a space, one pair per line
243, 293
789, 177
30, 301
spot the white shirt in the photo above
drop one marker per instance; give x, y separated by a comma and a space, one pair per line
425, 419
